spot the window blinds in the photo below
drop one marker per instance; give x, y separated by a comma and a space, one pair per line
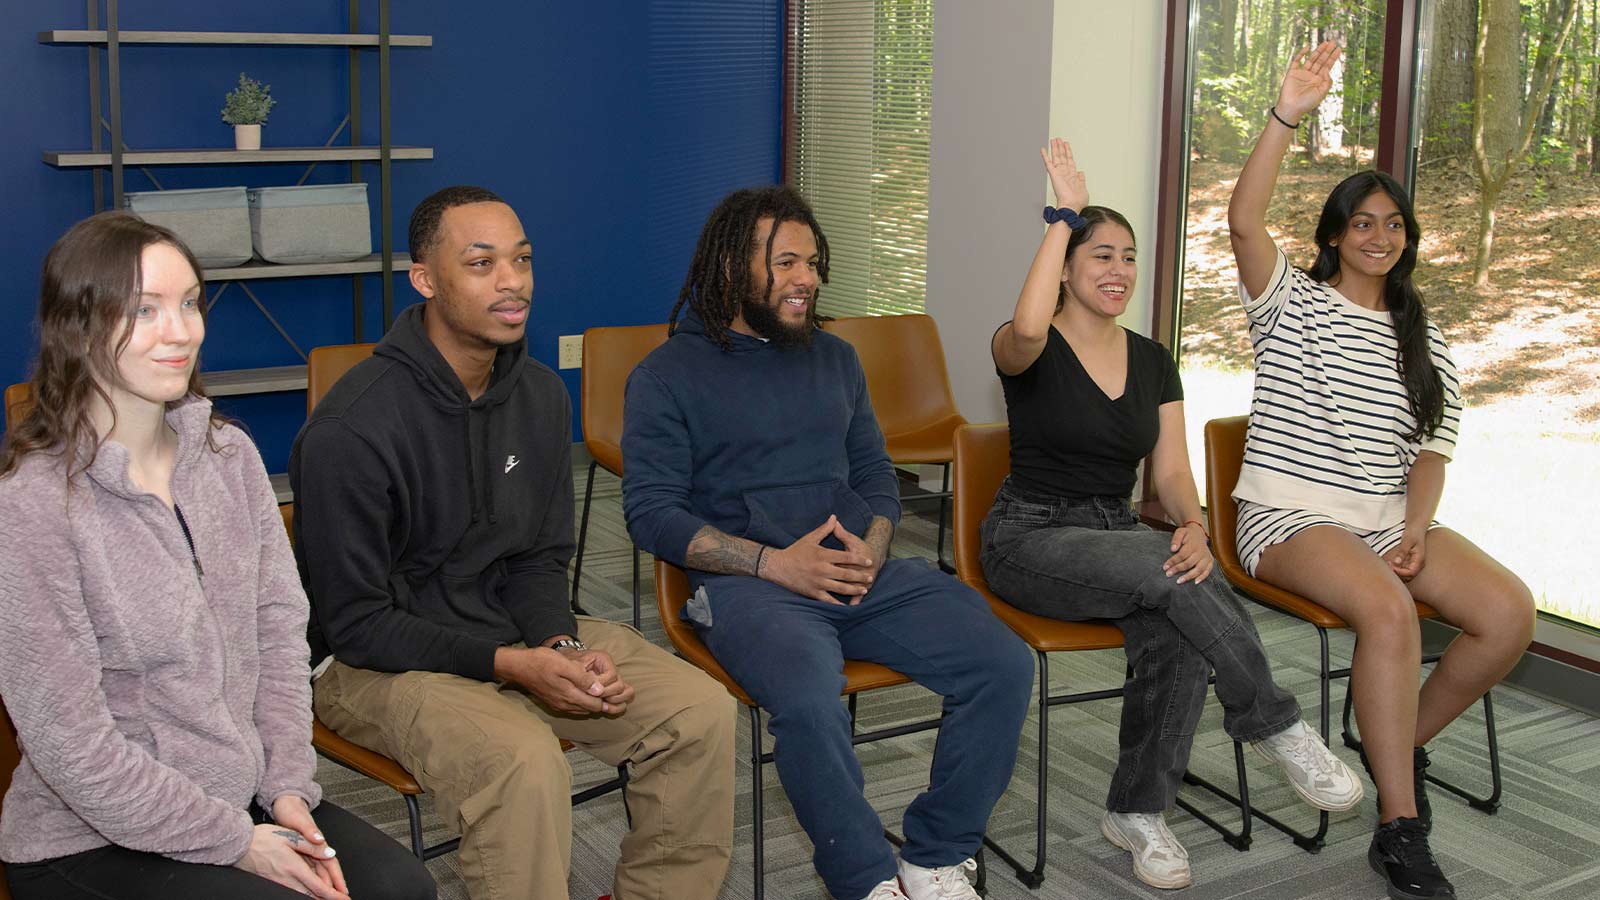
860, 74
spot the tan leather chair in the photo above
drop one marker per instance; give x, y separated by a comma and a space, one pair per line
672, 592
609, 356
910, 390
10, 756
982, 457
325, 366
1224, 439
19, 399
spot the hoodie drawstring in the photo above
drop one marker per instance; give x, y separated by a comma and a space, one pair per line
489, 463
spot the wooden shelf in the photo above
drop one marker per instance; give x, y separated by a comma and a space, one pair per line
280, 486
77, 159
268, 38
234, 382
257, 270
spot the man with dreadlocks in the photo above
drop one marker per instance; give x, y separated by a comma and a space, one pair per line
752, 459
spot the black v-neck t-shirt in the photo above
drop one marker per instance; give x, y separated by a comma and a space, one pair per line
1068, 439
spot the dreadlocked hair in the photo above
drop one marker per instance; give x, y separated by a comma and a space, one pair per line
719, 276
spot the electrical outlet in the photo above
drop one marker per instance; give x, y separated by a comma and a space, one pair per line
570, 351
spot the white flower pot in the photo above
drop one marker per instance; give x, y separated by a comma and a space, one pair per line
247, 137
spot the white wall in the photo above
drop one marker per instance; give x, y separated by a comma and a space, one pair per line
1105, 77
1008, 74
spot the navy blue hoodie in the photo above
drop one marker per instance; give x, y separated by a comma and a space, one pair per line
760, 442
431, 528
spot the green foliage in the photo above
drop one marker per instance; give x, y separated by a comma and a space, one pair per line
249, 103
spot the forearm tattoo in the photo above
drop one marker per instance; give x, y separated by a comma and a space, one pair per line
723, 554
879, 535
293, 837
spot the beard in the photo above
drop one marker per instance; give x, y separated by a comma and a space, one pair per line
764, 320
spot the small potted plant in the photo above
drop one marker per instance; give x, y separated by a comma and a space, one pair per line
246, 110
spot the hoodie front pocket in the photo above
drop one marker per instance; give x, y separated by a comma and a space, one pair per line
782, 515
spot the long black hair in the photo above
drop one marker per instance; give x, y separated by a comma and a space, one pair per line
1092, 216
1424, 390
719, 277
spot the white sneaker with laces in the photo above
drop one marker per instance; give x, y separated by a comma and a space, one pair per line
887, 890
1320, 778
941, 883
1158, 859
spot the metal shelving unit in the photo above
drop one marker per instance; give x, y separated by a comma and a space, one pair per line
109, 156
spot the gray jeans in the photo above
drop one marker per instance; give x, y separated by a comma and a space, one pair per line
1091, 558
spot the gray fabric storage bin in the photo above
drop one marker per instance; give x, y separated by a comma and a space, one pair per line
214, 222
314, 223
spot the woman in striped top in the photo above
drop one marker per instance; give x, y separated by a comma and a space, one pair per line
1354, 415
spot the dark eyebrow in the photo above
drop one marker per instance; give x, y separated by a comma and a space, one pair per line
1113, 247
485, 245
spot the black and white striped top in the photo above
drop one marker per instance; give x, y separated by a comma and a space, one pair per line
1328, 415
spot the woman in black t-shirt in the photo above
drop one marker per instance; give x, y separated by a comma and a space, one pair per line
1087, 402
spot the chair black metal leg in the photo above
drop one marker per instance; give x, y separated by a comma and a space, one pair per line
851, 703
1238, 840
944, 499
1311, 843
415, 815
1488, 805
583, 534
635, 587
757, 835
1035, 876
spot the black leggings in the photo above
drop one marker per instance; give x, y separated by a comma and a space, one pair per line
375, 868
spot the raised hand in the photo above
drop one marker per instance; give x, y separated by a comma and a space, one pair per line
1307, 82
1065, 180
812, 570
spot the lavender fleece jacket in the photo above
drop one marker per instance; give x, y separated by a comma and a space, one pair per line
151, 704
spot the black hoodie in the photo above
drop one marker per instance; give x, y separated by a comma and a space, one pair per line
431, 529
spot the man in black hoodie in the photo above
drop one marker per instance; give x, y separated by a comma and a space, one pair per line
433, 516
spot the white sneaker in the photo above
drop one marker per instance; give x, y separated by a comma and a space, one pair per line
1319, 777
1158, 859
942, 883
887, 890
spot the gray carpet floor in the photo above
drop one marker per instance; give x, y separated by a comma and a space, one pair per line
1544, 842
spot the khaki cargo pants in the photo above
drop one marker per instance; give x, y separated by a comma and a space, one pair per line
490, 756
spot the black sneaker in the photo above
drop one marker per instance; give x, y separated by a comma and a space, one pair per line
1419, 784
1400, 853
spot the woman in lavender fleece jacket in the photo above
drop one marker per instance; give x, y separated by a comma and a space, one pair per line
152, 626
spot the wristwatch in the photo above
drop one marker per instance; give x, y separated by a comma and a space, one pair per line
568, 644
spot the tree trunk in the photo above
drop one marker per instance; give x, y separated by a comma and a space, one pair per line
1274, 41
1447, 123
1227, 36
1594, 84
1573, 107
1497, 100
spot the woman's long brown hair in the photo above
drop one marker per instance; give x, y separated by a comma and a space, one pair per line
88, 291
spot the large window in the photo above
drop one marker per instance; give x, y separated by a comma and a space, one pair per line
860, 76
1510, 268
1504, 168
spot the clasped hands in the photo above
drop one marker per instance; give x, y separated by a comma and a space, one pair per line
812, 570
580, 682
290, 851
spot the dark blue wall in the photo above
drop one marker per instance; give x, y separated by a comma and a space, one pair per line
611, 128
